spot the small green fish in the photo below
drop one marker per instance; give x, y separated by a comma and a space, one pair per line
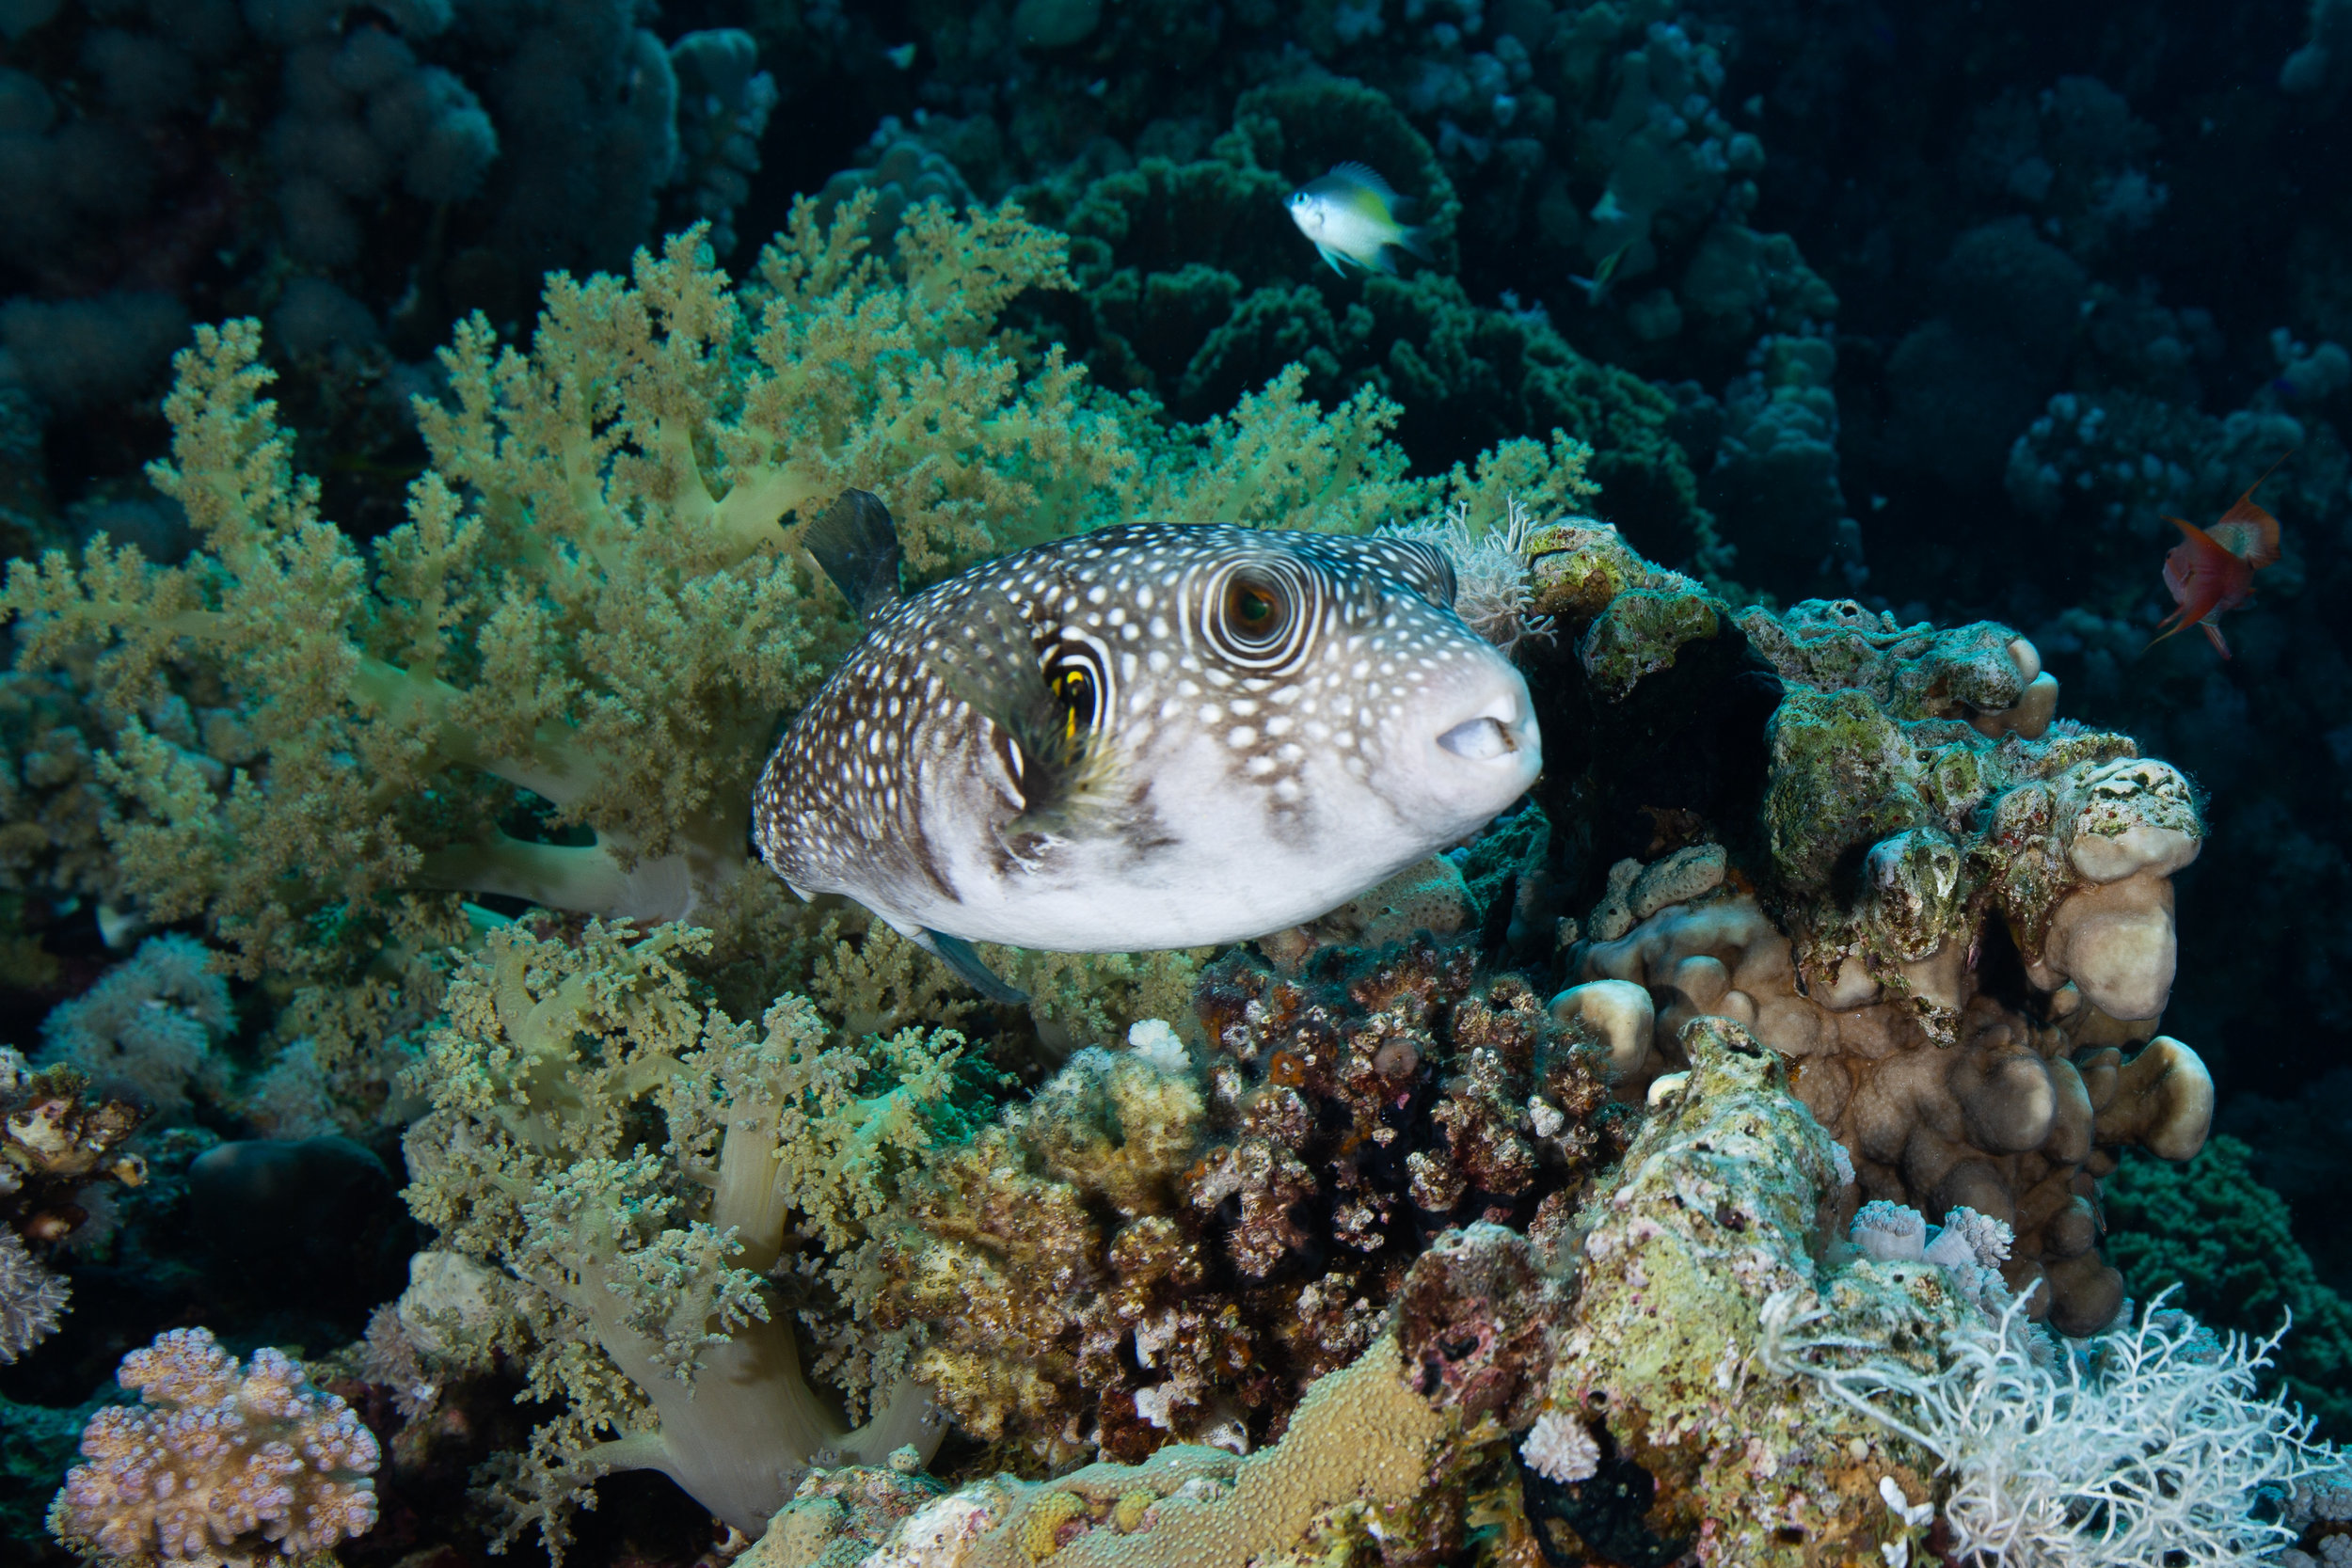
1351, 213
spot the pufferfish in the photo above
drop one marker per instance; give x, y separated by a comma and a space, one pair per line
1148, 737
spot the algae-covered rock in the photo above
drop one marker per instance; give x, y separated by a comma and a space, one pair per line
1875, 846
1725, 1198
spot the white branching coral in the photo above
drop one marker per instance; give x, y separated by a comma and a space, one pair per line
389, 1357
2144, 1445
31, 1298
1561, 1448
220, 1465
1492, 591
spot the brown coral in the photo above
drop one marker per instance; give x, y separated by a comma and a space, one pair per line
1890, 862
56, 1140
1156, 1250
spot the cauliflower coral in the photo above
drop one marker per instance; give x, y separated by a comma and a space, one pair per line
218, 1465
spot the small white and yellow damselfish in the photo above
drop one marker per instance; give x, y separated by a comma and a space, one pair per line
1149, 736
1351, 213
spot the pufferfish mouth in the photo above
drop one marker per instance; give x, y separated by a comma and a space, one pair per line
1500, 729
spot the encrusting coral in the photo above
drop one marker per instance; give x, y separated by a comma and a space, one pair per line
220, 1465
59, 1141
1721, 1201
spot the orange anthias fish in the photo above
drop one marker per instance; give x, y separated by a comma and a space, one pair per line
2213, 569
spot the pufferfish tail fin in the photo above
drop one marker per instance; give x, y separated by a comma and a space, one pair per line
856, 544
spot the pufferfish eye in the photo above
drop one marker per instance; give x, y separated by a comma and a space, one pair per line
1256, 612
1077, 686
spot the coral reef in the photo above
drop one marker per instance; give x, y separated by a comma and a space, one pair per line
220, 1462
2221, 1242
61, 1146
1157, 1248
149, 1028
1719, 1205
1377, 1452
1690, 1367
31, 1299
475, 706
1913, 808
1673, 1173
2147, 1440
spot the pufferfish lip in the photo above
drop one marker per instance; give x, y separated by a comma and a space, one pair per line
1497, 732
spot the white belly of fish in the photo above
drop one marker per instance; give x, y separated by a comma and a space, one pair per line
1215, 863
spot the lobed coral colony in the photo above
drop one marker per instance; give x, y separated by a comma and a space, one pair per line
430, 1133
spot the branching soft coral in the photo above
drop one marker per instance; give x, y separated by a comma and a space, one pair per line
2146, 1443
639, 1161
594, 602
151, 1026
555, 680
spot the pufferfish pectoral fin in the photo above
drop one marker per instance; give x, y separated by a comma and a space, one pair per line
1059, 768
958, 955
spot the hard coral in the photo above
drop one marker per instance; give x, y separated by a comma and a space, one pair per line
1153, 1250
1874, 847
57, 1139
219, 1465
1719, 1203
1359, 1455
2211, 1231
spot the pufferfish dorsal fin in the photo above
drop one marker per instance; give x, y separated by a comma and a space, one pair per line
856, 544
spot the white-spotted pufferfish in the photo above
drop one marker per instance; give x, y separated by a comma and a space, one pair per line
1149, 736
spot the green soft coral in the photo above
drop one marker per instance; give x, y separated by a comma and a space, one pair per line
594, 603
556, 680
638, 1161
